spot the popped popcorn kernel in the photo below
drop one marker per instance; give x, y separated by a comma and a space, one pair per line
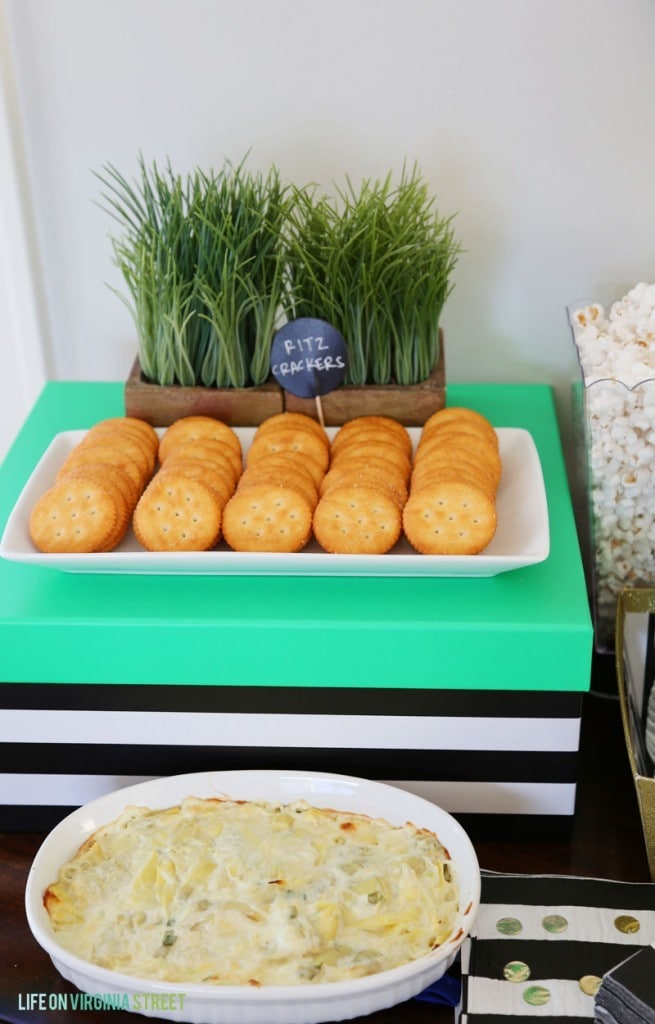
616, 353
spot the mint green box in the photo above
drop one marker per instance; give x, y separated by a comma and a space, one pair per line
288, 654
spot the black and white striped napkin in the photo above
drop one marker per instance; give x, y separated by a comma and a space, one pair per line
542, 944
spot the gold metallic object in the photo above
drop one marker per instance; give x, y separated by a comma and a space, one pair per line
639, 600
590, 984
626, 924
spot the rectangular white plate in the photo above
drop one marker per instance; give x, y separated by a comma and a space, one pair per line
522, 536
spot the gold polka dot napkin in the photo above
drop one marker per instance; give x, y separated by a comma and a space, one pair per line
542, 943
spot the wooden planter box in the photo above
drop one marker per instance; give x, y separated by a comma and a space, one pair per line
161, 405
409, 405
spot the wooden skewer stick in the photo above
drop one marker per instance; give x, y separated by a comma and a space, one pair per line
319, 409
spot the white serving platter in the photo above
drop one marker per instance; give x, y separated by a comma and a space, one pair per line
522, 537
276, 1004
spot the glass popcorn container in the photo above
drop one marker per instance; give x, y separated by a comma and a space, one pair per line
614, 427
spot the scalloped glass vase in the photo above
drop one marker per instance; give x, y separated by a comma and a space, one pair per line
614, 428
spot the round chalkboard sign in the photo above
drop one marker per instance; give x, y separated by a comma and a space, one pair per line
308, 357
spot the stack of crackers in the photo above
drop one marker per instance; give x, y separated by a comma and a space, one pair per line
365, 490
273, 507
356, 494
90, 506
181, 509
451, 508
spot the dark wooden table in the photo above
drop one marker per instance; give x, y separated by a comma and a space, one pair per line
606, 842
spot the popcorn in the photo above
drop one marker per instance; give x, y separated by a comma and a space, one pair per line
589, 316
616, 352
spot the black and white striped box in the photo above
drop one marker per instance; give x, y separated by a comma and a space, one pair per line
488, 757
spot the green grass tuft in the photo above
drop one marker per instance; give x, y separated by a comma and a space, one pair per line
212, 261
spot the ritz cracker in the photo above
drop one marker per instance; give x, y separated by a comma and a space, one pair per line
357, 492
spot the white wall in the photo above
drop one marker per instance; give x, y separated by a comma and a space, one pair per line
532, 118
23, 331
